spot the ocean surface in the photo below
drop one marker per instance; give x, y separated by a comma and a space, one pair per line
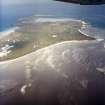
94, 15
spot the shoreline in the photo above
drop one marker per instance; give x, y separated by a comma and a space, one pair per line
59, 24
40, 19
8, 31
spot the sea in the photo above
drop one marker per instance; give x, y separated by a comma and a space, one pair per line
93, 15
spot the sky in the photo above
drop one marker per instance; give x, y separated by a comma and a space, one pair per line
8, 2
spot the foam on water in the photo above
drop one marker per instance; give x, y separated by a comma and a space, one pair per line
86, 29
4, 51
8, 32
92, 31
42, 20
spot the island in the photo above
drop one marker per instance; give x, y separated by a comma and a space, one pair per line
36, 33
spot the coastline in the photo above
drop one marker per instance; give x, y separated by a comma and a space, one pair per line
16, 36
8, 31
41, 19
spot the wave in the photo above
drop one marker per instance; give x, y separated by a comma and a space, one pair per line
42, 15
8, 32
86, 29
91, 31
43, 20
